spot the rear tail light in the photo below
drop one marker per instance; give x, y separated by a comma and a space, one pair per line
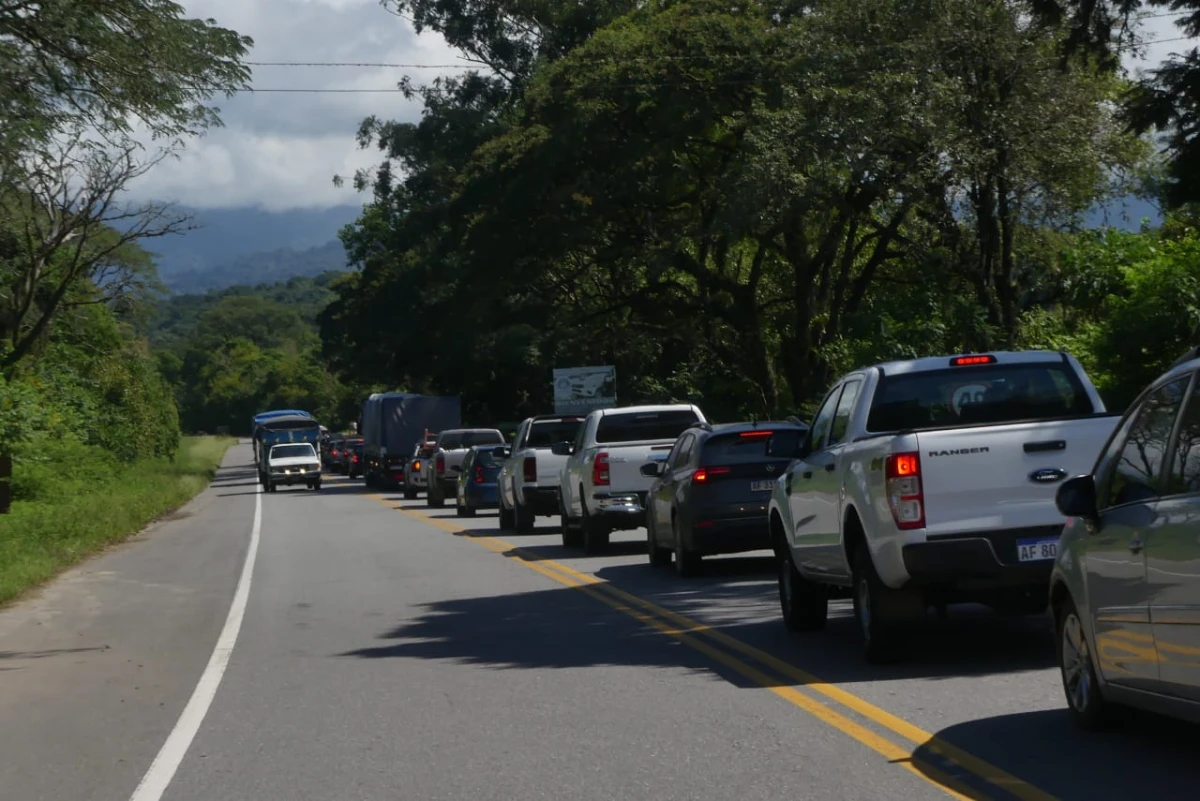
439, 464
707, 474
478, 474
600, 470
529, 468
356, 458
905, 496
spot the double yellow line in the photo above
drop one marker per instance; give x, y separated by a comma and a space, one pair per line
958, 773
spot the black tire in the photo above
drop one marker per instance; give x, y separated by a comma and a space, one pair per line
370, 480
459, 511
410, 494
506, 518
468, 511
317, 486
434, 497
572, 537
1081, 687
804, 604
522, 518
659, 557
270, 487
880, 639
687, 563
595, 536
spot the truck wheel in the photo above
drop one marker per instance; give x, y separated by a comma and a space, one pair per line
434, 497
410, 494
805, 606
522, 518
572, 537
370, 480
595, 538
468, 511
506, 521
659, 557
316, 485
880, 638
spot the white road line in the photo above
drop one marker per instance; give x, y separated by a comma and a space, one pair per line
162, 770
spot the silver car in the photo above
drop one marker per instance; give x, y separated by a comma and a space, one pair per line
1126, 582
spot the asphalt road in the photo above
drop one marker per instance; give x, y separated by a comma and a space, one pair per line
391, 651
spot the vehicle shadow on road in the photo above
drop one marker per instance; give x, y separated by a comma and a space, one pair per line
552, 628
1143, 756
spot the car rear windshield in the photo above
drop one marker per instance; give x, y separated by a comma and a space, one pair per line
454, 440
290, 451
997, 393
643, 426
486, 458
544, 433
738, 447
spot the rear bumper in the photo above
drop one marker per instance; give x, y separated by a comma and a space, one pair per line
482, 497
620, 511
542, 501
729, 535
979, 561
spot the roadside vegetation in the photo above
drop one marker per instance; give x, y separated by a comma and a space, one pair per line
74, 499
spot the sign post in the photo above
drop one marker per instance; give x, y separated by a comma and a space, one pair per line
579, 390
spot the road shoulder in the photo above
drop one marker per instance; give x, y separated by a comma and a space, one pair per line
97, 665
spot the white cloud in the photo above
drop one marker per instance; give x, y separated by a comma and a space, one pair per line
281, 150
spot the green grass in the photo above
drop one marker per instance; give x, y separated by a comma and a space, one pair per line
72, 501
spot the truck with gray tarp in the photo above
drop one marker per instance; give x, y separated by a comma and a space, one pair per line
394, 423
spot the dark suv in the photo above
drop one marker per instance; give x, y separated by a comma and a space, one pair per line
711, 493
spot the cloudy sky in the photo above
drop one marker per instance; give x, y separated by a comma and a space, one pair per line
279, 150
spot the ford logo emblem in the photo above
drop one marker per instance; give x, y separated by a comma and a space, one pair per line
1047, 475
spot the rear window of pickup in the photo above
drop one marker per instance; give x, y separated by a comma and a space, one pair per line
453, 441
643, 426
994, 393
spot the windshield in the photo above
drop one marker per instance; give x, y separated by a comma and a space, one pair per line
544, 433
736, 448
291, 451
1001, 393
486, 458
644, 426
453, 440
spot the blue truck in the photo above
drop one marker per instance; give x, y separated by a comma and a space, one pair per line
394, 424
273, 428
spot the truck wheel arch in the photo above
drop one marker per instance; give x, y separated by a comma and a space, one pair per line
778, 536
853, 534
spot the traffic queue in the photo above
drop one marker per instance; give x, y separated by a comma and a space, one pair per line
998, 479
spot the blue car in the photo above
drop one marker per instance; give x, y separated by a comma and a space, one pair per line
478, 486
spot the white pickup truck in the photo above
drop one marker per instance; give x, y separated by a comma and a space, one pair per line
602, 488
528, 479
442, 467
930, 482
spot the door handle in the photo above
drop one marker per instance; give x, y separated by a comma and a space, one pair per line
829, 468
808, 474
787, 485
1136, 545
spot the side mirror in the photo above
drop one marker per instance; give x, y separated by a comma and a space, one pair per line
1077, 498
562, 448
501, 452
653, 469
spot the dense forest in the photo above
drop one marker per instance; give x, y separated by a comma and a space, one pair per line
732, 202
